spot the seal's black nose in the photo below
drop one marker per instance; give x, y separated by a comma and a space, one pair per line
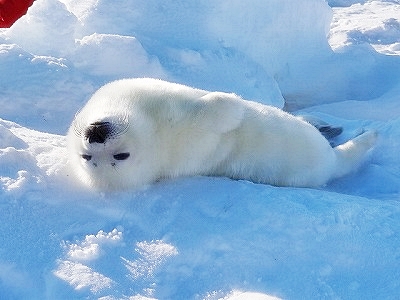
97, 132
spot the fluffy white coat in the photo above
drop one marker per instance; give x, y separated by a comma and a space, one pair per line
170, 130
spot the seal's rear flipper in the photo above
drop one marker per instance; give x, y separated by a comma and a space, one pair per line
350, 154
327, 130
330, 132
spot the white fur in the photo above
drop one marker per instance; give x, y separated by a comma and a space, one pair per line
174, 130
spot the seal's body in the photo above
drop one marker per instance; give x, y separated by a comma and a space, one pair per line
133, 132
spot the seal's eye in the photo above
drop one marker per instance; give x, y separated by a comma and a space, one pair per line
121, 156
86, 157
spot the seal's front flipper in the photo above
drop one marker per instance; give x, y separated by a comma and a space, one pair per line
224, 112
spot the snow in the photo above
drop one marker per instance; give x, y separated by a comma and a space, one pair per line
200, 238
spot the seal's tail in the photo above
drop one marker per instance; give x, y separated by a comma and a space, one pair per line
350, 154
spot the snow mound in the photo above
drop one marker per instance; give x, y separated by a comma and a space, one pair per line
93, 54
373, 22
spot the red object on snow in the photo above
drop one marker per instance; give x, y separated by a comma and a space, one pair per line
12, 10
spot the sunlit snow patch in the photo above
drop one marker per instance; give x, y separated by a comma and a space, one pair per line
77, 269
90, 247
80, 276
153, 254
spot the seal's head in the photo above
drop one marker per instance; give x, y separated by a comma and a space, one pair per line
98, 150
97, 137
111, 144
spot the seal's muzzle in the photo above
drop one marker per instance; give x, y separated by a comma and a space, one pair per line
98, 132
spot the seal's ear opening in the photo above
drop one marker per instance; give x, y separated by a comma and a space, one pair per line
97, 132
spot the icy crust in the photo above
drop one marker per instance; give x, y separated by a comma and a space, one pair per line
178, 240
29, 158
372, 22
41, 92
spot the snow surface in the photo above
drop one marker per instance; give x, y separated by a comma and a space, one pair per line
200, 238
